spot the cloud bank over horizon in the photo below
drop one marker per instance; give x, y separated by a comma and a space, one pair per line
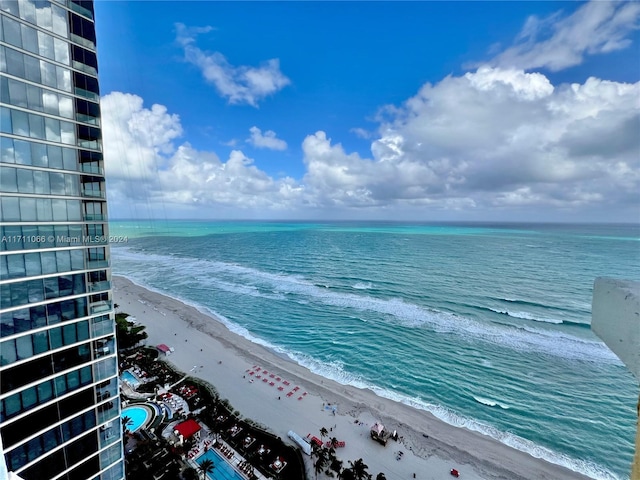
489, 139
499, 142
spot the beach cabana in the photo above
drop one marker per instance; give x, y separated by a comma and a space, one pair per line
162, 348
188, 428
378, 428
379, 434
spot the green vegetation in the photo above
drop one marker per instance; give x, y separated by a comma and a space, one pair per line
190, 474
126, 423
148, 456
325, 460
359, 469
128, 334
206, 466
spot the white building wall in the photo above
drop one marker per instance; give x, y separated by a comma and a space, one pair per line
616, 320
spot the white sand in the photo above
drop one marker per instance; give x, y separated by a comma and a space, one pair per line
201, 341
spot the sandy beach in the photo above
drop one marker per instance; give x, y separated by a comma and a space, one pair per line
430, 447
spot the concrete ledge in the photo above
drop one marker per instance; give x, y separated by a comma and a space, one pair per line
616, 319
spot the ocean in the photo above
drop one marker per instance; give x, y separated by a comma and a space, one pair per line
484, 325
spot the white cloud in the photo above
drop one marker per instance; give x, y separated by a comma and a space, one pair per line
558, 42
493, 138
268, 140
497, 142
146, 171
239, 84
361, 132
135, 136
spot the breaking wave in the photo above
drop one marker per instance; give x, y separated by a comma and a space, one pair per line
490, 403
282, 287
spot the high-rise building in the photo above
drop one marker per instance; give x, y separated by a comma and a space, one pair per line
59, 402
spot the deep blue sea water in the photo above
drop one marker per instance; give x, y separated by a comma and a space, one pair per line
486, 326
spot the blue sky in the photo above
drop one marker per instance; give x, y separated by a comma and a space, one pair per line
371, 110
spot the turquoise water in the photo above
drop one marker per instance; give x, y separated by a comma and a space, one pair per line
138, 416
485, 326
128, 376
222, 469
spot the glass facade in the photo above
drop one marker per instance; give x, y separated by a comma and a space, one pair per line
59, 403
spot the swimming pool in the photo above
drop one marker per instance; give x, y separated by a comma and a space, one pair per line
128, 377
222, 470
139, 416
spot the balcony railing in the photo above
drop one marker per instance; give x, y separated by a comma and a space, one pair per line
102, 328
97, 264
90, 144
93, 193
81, 10
95, 217
88, 168
99, 307
82, 41
81, 92
99, 286
83, 67
81, 117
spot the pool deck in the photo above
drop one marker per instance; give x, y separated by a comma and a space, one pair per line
234, 461
131, 393
175, 403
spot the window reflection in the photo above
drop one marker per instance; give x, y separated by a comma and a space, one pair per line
60, 209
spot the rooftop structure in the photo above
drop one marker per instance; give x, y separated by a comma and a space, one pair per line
188, 428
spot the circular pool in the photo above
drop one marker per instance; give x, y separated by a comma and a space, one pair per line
140, 416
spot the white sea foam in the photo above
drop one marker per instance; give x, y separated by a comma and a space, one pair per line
240, 279
335, 371
490, 403
526, 316
363, 286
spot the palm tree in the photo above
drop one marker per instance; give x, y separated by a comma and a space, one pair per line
360, 470
206, 466
126, 422
318, 466
347, 474
190, 474
381, 476
335, 465
321, 458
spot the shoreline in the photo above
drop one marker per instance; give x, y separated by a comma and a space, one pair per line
431, 446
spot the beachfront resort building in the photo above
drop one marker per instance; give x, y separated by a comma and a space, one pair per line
59, 399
